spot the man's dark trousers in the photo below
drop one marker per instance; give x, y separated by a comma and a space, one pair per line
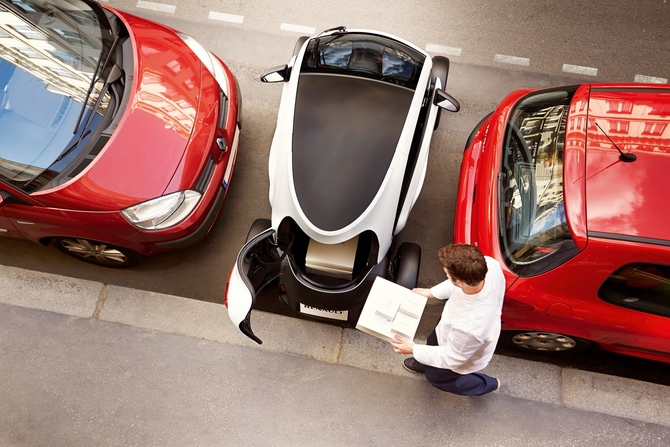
473, 384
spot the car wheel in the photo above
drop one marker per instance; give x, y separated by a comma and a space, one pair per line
540, 342
98, 253
441, 71
406, 265
258, 227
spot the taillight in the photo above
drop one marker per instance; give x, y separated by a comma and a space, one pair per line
225, 294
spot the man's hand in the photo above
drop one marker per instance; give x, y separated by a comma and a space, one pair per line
402, 345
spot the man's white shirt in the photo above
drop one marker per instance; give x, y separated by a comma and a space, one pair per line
470, 325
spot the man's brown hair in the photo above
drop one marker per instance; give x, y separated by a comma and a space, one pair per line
464, 262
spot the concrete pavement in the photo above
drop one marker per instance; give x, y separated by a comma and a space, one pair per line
164, 314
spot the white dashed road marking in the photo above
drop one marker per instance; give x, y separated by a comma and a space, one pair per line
297, 28
160, 7
512, 60
449, 51
431, 48
578, 69
650, 80
222, 16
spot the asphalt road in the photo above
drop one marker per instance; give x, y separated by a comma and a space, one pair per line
87, 382
494, 47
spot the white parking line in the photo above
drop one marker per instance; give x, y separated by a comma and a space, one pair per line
297, 28
160, 7
449, 51
512, 60
578, 69
222, 16
650, 80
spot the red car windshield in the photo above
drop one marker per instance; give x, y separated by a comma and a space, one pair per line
49, 52
534, 233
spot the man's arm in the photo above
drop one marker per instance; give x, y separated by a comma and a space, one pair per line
423, 292
459, 347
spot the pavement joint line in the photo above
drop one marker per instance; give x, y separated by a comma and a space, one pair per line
337, 348
101, 302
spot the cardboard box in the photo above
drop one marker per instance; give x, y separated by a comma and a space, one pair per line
335, 260
412, 307
388, 308
402, 324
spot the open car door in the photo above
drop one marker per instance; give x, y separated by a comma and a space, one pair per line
257, 265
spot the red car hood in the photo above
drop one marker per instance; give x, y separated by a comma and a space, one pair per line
151, 142
628, 198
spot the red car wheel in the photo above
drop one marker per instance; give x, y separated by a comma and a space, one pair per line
98, 253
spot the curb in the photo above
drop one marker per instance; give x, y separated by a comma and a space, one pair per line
524, 379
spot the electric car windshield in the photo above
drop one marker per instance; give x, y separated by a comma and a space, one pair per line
367, 56
534, 234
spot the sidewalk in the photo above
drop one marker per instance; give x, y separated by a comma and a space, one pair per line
532, 381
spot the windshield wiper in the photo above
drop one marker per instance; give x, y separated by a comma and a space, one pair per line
114, 74
73, 145
99, 69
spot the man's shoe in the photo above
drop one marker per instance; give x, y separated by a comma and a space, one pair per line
412, 365
498, 387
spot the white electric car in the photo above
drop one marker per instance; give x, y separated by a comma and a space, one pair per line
347, 163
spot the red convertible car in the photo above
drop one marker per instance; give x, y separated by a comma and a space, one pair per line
118, 136
567, 188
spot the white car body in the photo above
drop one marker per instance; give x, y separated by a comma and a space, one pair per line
315, 172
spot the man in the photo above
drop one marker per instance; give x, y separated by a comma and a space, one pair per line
464, 339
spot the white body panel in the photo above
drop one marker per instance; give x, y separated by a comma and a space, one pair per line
380, 215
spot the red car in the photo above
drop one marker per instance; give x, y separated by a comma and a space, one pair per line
118, 136
567, 189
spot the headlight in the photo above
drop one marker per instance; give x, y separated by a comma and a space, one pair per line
210, 61
162, 212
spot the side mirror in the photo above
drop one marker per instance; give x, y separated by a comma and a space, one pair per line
276, 74
446, 101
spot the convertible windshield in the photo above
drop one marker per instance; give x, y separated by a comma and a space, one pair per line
49, 54
534, 233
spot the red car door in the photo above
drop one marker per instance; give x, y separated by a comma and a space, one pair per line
7, 228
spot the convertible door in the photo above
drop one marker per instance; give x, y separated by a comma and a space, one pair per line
257, 265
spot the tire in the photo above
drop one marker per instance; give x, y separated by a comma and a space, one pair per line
258, 227
406, 265
301, 40
441, 71
98, 253
542, 342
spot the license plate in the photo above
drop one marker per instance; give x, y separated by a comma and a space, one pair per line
341, 315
